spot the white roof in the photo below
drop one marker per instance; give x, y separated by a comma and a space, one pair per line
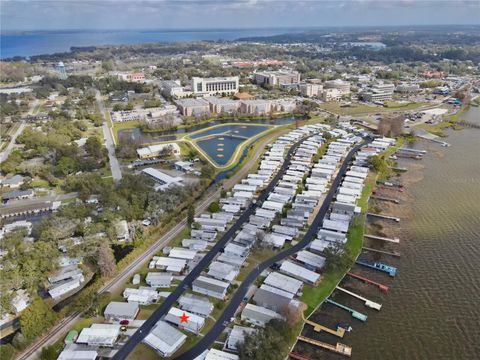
99, 334
283, 282
299, 272
162, 177
215, 354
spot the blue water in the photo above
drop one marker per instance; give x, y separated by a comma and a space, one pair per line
29, 43
142, 138
242, 130
211, 147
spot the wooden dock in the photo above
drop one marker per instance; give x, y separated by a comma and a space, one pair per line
390, 253
340, 332
375, 237
368, 303
386, 217
368, 281
339, 348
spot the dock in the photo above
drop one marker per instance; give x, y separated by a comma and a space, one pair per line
391, 253
400, 169
296, 356
368, 281
415, 151
338, 348
355, 314
387, 217
380, 186
390, 270
382, 198
340, 332
368, 303
381, 238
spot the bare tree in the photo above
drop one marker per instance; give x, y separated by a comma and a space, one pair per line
106, 260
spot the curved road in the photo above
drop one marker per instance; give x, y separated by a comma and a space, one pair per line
224, 320
118, 281
164, 307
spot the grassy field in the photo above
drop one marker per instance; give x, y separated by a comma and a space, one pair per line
363, 109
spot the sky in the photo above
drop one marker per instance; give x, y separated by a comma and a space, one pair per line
188, 14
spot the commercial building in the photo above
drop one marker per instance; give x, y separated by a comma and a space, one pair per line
281, 77
215, 86
310, 90
193, 107
173, 89
378, 92
165, 181
331, 95
165, 339
221, 105
119, 311
157, 150
76, 354
342, 86
17, 195
256, 107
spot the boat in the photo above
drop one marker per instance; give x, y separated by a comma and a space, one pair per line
390, 270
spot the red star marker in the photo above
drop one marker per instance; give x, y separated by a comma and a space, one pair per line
184, 318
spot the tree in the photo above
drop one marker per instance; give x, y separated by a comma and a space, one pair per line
36, 318
7, 351
378, 163
94, 148
190, 215
214, 207
106, 260
338, 257
269, 343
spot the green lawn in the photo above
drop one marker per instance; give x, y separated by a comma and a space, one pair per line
362, 109
143, 352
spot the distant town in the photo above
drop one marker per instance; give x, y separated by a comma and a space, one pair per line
202, 200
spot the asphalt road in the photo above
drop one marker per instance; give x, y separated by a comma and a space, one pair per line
224, 320
164, 307
59, 330
109, 143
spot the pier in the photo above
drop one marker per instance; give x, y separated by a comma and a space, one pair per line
368, 303
391, 253
338, 348
382, 198
415, 151
355, 314
400, 169
384, 217
390, 270
368, 281
298, 356
392, 187
340, 332
381, 238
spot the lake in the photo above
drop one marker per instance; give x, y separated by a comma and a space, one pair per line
140, 137
29, 43
431, 310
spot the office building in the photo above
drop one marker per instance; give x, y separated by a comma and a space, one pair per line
214, 86
273, 78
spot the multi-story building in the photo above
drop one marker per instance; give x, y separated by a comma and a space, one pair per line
173, 89
281, 77
193, 107
310, 90
342, 86
256, 107
331, 94
215, 86
221, 105
407, 88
